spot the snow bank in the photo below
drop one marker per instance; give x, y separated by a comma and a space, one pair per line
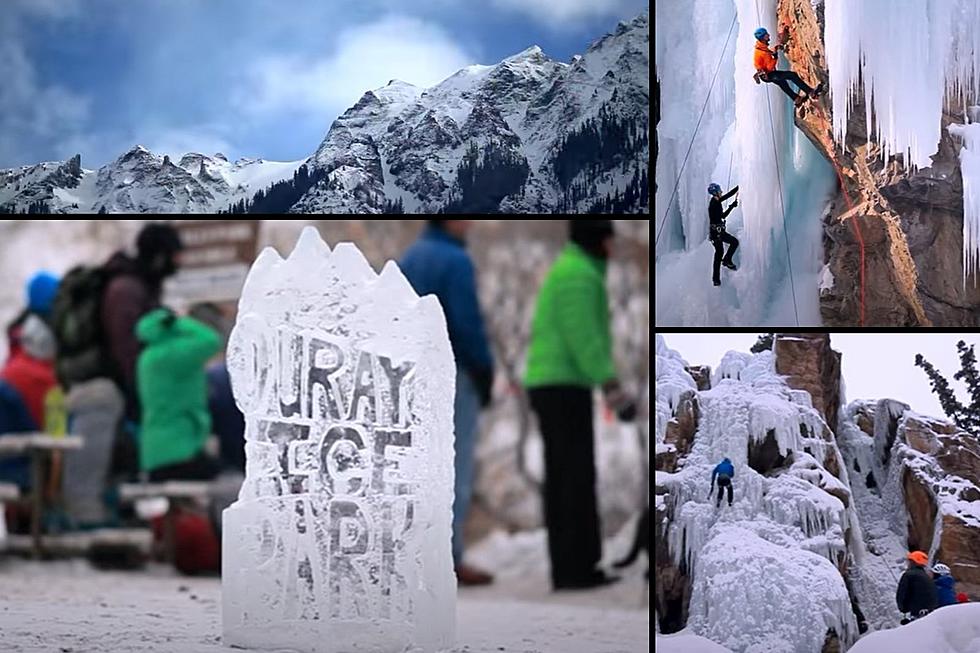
766, 597
953, 629
684, 642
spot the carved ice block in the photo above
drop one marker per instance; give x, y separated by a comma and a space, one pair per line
340, 538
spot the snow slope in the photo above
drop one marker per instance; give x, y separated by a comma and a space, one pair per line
953, 629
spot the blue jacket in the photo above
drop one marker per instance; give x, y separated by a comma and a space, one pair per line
14, 418
944, 590
438, 264
724, 467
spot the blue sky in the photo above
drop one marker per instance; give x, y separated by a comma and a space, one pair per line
258, 78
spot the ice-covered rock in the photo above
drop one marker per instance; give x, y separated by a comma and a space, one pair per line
340, 538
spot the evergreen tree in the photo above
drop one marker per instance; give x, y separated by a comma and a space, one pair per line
967, 417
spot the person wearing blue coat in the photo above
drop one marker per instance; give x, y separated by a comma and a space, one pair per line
438, 264
724, 473
945, 594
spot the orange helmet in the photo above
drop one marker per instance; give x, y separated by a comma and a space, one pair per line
919, 558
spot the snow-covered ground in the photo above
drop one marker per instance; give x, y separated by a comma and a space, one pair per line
69, 607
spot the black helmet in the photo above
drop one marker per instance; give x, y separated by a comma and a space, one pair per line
157, 239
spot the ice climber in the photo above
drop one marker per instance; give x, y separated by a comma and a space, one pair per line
916, 593
765, 66
944, 582
724, 472
717, 234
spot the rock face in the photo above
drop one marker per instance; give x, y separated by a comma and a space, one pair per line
701, 375
942, 477
680, 433
910, 223
809, 363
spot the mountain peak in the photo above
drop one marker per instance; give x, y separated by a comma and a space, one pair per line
533, 52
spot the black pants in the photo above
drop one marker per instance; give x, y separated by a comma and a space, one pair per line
571, 514
201, 468
718, 239
780, 77
724, 483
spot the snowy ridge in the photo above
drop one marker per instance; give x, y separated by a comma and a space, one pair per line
141, 182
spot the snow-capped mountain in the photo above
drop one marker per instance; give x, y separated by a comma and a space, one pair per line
522, 136
139, 182
529, 134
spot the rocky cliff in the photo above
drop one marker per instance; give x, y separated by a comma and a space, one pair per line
893, 238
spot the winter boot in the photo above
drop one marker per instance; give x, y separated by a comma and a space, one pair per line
717, 283
818, 91
729, 265
799, 100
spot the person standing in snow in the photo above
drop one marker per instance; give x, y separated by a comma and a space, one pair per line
717, 234
570, 354
724, 473
944, 582
916, 593
765, 60
438, 264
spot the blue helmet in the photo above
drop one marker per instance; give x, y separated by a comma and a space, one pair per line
759, 33
714, 188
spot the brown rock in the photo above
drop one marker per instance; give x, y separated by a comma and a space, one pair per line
673, 586
680, 430
701, 375
809, 363
921, 508
959, 547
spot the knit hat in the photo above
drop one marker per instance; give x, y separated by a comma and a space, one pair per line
41, 290
590, 234
156, 239
919, 558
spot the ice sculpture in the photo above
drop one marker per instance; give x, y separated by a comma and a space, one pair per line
340, 538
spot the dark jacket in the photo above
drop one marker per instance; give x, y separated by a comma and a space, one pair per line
916, 592
945, 594
716, 214
438, 264
127, 298
14, 418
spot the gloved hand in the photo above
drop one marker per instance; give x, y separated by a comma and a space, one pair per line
622, 404
734, 204
169, 319
483, 380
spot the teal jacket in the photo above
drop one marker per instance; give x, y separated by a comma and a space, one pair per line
172, 384
571, 343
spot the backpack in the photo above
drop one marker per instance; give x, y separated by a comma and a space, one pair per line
76, 319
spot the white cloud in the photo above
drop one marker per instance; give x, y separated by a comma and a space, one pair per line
31, 111
558, 13
178, 142
365, 57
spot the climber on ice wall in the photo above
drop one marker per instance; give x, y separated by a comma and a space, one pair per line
724, 472
717, 234
765, 67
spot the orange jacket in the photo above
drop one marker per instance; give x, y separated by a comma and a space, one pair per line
765, 59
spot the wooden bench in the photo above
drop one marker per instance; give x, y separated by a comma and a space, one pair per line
176, 493
39, 446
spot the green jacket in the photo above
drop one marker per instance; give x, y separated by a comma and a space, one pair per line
570, 338
173, 388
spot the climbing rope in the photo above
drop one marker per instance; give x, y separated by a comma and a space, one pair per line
673, 193
779, 183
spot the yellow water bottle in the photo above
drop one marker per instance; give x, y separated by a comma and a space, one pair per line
55, 412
